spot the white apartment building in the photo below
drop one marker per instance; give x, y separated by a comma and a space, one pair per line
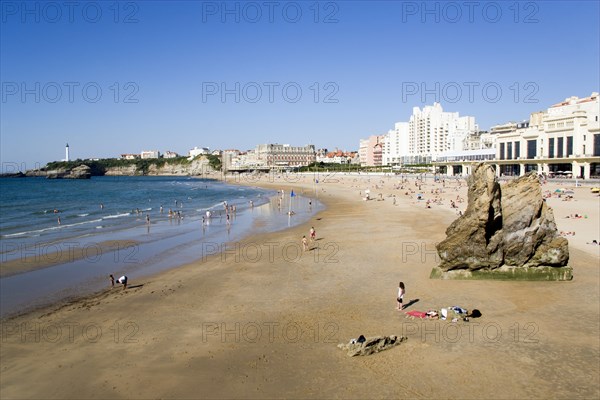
362, 151
432, 131
564, 139
149, 154
196, 151
170, 154
395, 148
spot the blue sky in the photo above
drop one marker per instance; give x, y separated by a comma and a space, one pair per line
112, 78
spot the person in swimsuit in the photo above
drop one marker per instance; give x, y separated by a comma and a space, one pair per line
401, 292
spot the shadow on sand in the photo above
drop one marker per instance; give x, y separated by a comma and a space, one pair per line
410, 303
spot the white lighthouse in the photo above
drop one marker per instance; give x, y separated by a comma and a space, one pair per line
67, 152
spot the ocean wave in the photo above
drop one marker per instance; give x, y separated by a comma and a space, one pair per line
30, 232
83, 215
79, 223
219, 204
37, 232
116, 216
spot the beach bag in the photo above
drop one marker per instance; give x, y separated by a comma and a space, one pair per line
475, 313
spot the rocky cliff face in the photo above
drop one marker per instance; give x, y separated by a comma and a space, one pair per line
199, 167
195, 168
80, 172
122, 171
503, 226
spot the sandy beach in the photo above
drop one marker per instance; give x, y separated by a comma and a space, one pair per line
263, 318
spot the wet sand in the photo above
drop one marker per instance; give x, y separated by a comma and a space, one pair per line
262, 320
42, 256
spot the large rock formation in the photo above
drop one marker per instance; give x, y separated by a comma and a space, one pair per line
80, 172
17, 174
504, 227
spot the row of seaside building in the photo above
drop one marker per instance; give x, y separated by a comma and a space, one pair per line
563, 140
149, 154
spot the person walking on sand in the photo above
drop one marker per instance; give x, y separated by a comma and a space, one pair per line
304, 243
313, 234
401, 292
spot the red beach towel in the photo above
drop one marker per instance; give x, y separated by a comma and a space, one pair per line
418, 314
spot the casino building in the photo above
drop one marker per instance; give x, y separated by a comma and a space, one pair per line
562, 141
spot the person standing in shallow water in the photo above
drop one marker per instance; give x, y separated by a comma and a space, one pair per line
401, 293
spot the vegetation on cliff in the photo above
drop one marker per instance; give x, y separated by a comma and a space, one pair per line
142, 166
214, 162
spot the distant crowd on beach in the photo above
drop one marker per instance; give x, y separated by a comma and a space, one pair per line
415, 189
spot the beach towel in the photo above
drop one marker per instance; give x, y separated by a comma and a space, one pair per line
418, 314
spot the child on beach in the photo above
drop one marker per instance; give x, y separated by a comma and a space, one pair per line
313, 234
401, 292
304, 243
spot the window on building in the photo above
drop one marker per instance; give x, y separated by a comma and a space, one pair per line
531, 149
569, 146
596, 144
559, 147
509, 151
517, 150
551, 148
502, 157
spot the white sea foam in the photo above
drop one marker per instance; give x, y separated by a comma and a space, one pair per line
116, 216
79, 223
52, 228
